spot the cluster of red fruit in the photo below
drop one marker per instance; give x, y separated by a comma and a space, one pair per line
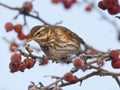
69, 77
114, 55
67, 3
17, 64
112, 6
18, 28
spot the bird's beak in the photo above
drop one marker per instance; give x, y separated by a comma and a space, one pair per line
30, 39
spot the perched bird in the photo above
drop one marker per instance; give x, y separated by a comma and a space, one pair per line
57, 42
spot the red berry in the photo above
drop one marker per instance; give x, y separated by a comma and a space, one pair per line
14, 66
27, 36
116, 63
100, 5
21, 36
44, 62
29, 62
68, 76
67, 4
18, 28
73, 80
78, 63
16, 57
9, 26
88, 8
22, 66
114, 54
114, 10
109, 3
27, 6
73, 1
57, 88
13, 46
55, 1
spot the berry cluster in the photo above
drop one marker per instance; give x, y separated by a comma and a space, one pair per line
18, 28
114, 55
17, 64
67, 3
70, 78
112, 6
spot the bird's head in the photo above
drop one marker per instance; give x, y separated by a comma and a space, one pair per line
38, 33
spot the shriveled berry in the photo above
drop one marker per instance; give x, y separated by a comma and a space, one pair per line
116, 63
68, 76
16, 57
114, 54
9, 26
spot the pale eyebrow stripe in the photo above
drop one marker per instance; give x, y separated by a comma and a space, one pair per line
39, 30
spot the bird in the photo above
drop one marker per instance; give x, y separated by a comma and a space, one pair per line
57, 42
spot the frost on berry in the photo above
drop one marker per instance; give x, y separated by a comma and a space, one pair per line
116, 63
114, 54
16, 57
68, 76
78, 63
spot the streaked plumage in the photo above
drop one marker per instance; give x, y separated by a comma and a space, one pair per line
56, 41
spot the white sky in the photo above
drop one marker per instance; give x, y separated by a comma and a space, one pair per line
95, 31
